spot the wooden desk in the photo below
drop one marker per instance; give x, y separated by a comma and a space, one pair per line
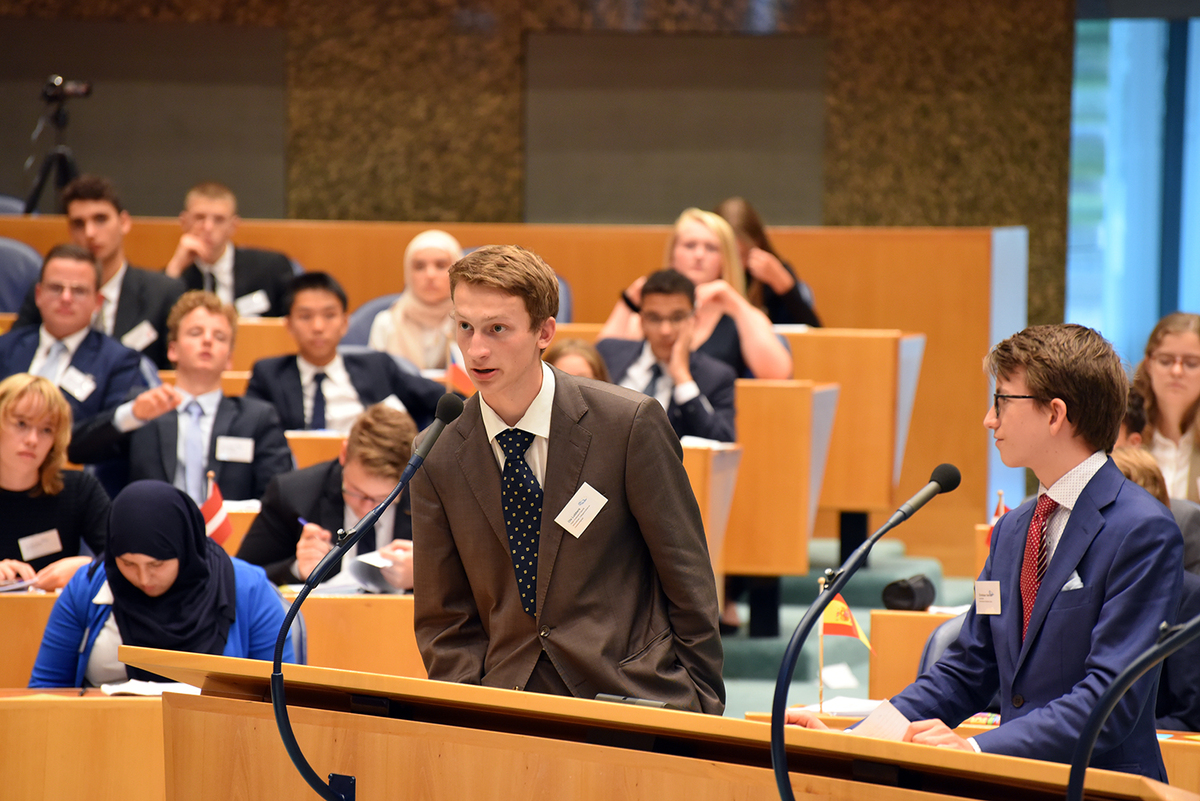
898, 638
55, 746
311, 447
713, 473
367, 633
258, 339
23, 618
241, 524
233, 382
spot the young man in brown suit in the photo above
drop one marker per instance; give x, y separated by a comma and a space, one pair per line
605, 584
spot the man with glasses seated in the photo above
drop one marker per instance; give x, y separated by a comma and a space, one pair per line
94, 371
696, 390
302, 509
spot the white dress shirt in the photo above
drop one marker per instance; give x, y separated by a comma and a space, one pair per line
222, 272
46, 342
342, 405
1173, 460
637, 378
536, 421
106, 317
209, 402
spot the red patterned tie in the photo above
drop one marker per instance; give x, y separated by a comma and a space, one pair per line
1034, 565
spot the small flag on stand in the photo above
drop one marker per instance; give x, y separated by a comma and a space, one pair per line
839, 621
216, 523
1001, 510
457, 379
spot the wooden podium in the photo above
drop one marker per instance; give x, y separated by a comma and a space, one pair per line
409, 738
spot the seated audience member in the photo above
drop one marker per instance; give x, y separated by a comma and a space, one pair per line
254, 281
47, 511
577, 357
1134, 422
771, 283
1168, 377
728, 327
321, 388
1178, 702
135, 302
161, 584
417, 326
303, 509
696, 390
179, 433
93, 370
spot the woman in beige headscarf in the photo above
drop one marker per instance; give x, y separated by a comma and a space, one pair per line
417, 326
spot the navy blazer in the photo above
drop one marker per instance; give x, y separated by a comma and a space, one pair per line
114, 368
375, 377
1128, 553
710, 415
1178, 706
152, 450
145, 295
253, 270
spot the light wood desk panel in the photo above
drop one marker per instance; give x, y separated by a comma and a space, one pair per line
898, 639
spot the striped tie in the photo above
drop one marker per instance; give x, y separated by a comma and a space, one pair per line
1033, 567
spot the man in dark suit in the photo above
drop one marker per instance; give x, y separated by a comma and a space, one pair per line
302, 509
322, 389
254, 281
557, 546
179, 433
94, 371
696, 390
134, 302
1077, 581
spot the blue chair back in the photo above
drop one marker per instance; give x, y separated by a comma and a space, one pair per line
298, 632
11, 205
359, 330
19, 268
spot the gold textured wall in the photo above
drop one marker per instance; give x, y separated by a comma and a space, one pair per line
943, 114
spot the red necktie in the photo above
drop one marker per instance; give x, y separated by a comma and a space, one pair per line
1034, 565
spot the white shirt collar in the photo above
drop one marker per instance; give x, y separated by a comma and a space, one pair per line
335, 370
209, 401
112, 287
104, 595
1066, 490
536, 419
72, 341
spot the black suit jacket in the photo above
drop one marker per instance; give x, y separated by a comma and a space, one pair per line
1178, 703
152, 449
253, 270
710, 415
315, 494
145, 295
375, 377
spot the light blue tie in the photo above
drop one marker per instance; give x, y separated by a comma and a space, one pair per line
193, 453
53, 361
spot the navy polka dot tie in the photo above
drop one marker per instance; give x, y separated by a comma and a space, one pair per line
521, 497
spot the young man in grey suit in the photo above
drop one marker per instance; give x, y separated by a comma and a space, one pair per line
178, 433
596, 578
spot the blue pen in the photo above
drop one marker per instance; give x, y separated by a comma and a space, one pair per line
302, 521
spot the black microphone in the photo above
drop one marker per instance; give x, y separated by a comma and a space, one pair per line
945, 478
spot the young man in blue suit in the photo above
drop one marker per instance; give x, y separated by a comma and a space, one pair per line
696, 390
1077, 581
321, 388
94, 371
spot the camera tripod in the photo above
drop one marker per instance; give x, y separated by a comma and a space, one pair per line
60, 160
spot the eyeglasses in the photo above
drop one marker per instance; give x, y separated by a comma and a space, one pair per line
675, 320
77, 290
358, 496
997, 397
1168, 360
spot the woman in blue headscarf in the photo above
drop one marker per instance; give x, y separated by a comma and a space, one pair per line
162, 584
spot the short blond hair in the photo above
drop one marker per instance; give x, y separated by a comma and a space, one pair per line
1140, 468
731, 262
47, 399
197, 299
211, 190
515, 270
381, 440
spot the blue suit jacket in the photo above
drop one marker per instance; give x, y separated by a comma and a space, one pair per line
710, 415
1128, 553
111, 365
375, 377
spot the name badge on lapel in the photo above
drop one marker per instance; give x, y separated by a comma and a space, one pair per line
35, 546
987, 597
235, 449
140, 337
581, 510
253, 305
79, 384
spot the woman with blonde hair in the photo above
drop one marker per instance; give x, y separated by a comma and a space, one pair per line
417, 325
728, 327
1169, 380
47, 511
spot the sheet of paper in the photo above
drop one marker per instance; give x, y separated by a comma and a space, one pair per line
885, 723
845, 707
839, 677
148, 688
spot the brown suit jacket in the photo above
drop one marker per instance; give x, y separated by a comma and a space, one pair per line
629, 608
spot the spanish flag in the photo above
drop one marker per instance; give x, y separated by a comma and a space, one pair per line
839, 622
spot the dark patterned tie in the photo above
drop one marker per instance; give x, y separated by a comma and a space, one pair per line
318, 414
656, 373
1033, 567
521, 497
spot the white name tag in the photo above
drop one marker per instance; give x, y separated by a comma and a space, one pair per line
35, 546
392, 402
235, 449
987, 597
140, 337
581, 510
253, 305
79, 384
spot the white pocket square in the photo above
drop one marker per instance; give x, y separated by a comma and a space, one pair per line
1073, 583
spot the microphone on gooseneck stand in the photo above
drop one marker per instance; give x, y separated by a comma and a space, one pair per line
449, 407
945, 478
